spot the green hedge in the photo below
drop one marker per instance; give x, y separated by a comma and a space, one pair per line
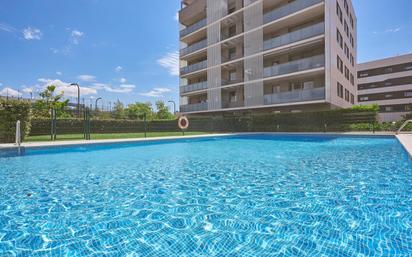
332, 121
10, 112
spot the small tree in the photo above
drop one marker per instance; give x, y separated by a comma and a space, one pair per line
163, 112
50, 100
119, 111
139, 111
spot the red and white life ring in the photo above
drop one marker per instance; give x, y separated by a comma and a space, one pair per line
183, 122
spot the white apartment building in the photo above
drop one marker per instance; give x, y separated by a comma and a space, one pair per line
388, 83
267, 55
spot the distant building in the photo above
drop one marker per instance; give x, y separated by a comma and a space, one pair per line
267, 55
388, 83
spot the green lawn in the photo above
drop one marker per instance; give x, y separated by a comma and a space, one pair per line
110, 136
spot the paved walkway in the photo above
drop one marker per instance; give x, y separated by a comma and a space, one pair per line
108, 141
406, 141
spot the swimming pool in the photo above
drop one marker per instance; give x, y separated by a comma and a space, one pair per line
256, 195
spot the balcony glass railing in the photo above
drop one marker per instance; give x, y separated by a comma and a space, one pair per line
296, 96
288, 9
194, 87
194, 67
198, 25
193, 48
194, 107
295, 66
238, 104
295, 36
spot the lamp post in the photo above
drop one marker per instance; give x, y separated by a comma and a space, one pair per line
78, 98
174, 106
96, 103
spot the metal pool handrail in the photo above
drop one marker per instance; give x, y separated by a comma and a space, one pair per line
403, 126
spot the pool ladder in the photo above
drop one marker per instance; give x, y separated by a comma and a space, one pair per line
403, 126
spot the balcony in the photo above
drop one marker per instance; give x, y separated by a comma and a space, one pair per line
194, 87
296, 96
237, 104
193, 48
192, 10
193, 107
295, 36
198, 25
194, 67
288, 9
295, 66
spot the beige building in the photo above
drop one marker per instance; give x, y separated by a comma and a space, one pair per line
388, 83
267, 55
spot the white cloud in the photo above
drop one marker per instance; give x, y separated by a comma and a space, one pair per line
28, 90
76, 36
156, 92
176, 18
66, 88
393, 30
59, 73
122, 89
170, 62
32, 33
122, 80
7, 28
10, 92
87, 78
118, 68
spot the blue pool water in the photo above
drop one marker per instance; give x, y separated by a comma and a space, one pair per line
237, 196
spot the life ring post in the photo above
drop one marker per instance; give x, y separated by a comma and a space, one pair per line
183, 123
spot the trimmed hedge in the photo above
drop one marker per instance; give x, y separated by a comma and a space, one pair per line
333, 121
10, 112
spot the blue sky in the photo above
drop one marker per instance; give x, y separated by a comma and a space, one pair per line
127, 49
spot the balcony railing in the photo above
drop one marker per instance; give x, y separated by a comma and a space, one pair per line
198, 25
233, 81
288, 9
295, 66
295, 36
194, 67
296, 96
193, 48
238, 104
194, 87
193, 107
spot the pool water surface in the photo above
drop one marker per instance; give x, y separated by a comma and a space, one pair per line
257, 195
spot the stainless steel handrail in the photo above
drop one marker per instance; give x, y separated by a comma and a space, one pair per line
403, 126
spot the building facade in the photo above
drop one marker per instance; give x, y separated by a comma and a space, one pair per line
267, 55
388, 83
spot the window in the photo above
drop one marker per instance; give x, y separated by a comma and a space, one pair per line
352, 99
232, 31
408, 94
232, 96
346, 73
232, 53
363, 98
340, 90
339, 12
346, 6
346, 27
347, 95
351, 21
388, 96
352, 60
339, 38
232, 75
363, 74
352, 41
389, 109
347, 51
340, 64
352, 79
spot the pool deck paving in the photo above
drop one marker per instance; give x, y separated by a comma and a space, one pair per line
405, 139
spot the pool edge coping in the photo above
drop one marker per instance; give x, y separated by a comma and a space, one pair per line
406, 141
151, 139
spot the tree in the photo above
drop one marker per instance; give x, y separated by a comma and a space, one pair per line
119, 111
163, 112
50, 100
139, 111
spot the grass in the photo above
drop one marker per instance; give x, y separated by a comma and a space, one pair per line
110, 136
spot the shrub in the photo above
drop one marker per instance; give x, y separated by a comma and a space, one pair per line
10, 112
